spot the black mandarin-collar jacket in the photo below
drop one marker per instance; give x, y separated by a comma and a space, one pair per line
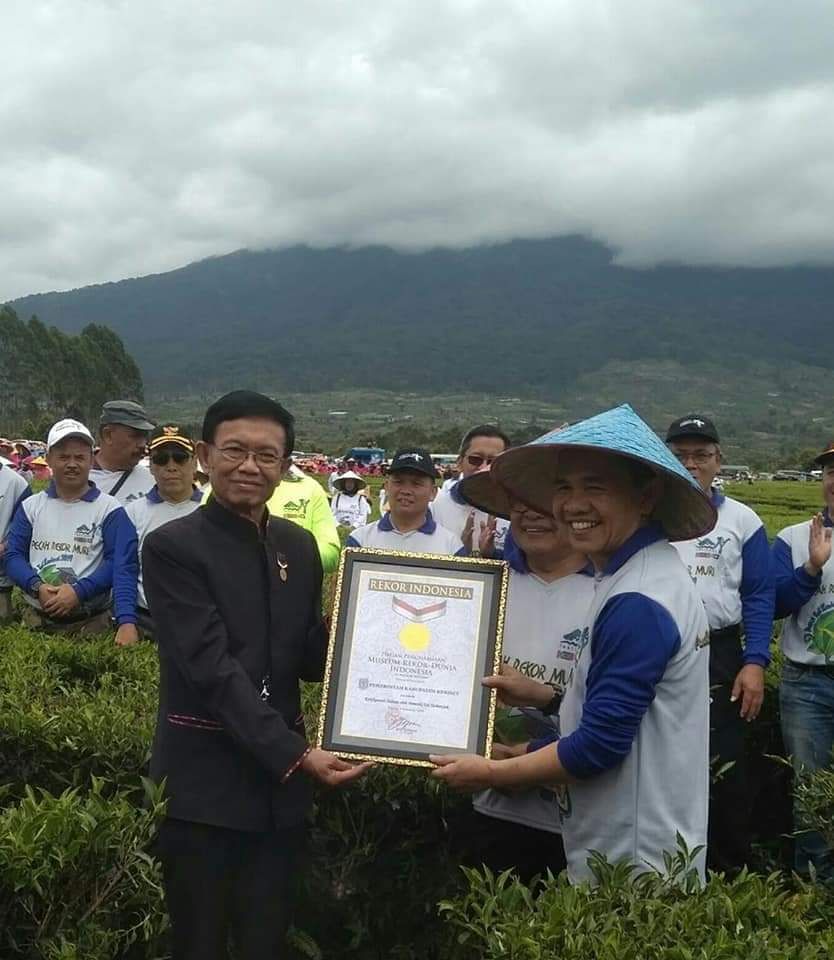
223, 619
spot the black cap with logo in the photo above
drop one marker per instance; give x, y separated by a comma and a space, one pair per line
414, 458
167, 433
692, 425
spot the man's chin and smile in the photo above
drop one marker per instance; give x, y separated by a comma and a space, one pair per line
536, 531
247, 491
584, 527
536, 536
587, 534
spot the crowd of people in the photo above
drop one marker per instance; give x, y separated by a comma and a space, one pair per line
640, 613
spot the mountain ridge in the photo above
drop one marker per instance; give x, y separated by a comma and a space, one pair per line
526, 315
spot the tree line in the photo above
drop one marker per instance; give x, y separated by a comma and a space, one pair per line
46, 374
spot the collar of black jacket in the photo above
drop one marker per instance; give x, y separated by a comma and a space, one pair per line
234, 522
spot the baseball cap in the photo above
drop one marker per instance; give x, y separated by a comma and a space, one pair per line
692, 425
414, 458
170, 433
127, 413
64, 429
826, 455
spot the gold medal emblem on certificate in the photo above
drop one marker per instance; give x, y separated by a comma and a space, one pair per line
415, 636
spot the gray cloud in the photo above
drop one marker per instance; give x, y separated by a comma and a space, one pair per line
140, 136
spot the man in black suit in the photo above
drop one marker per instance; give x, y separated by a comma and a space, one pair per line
236, 598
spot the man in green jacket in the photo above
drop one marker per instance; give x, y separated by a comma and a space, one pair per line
302, 499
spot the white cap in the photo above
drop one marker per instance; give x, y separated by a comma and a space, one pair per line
68, 428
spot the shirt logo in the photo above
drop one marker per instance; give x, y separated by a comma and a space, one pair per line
571, 647
708, 549
57, 570
573, 644
819, 634
85, 533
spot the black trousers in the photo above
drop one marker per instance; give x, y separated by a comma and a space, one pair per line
730, 797
223, 883
144, 623
479, 840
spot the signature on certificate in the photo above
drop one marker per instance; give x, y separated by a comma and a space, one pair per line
397, 722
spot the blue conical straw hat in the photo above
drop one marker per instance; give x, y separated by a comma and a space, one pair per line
528, 472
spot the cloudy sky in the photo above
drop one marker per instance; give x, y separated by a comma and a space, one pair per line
139, 135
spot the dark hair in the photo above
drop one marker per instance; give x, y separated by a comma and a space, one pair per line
246, 403
484, 430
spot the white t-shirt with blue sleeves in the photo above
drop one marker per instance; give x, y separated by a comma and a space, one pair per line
429, 538
730, 567
806, 602
151, 512
13, 490
635, 718
88, 543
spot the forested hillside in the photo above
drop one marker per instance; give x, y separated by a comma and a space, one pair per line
526, 316
46, 374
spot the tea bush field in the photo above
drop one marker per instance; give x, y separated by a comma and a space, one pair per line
78, 880
779, 503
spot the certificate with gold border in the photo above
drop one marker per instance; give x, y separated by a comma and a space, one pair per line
411, 638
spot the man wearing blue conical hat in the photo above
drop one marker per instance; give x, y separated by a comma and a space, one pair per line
632, 764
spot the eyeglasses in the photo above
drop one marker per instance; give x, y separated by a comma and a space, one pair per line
697, 456
476, 460
178, 456
238, 455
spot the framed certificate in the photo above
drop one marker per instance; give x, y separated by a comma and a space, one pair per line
411, 637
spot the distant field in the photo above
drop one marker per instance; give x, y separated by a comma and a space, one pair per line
779, 503
758, 425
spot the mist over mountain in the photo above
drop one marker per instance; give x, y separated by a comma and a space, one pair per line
526, 317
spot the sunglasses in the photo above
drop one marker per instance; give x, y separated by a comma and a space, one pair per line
178, 456
476, 460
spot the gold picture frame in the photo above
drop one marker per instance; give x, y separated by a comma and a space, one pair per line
433, 700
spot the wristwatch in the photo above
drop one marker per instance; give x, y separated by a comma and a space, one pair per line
553, 706
34, 587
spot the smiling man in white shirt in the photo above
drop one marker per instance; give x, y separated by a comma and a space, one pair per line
409, 524
70, 545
